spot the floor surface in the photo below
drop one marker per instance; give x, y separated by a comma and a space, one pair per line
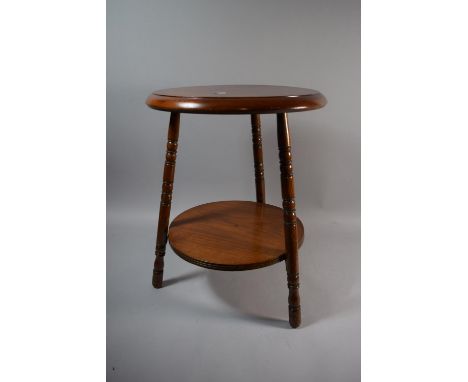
207, 325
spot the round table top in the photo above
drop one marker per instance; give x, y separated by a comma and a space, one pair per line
236, 99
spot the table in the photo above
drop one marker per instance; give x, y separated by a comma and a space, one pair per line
235, 235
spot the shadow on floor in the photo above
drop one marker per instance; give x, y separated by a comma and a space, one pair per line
329, 283
186, 277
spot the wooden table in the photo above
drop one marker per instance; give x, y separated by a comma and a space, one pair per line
236, 235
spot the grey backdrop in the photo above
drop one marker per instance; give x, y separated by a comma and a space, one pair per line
211, 325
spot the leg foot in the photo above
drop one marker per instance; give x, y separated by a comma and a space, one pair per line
159, 266
294, 300
295, 318
157, 279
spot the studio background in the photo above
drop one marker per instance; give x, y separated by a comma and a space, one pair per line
211, 325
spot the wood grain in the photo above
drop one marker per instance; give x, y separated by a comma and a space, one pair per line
236, 99
236, 235
231, 235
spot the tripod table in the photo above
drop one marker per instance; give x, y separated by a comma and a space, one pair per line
235, 235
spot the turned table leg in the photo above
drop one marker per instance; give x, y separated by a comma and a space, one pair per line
289, 216
258, 158
166, 198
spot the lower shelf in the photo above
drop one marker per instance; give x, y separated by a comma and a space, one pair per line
231, 235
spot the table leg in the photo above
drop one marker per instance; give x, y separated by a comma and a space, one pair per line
289, 216
166, 198
258, 157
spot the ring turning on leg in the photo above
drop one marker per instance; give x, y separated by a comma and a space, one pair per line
166, 198
289, 218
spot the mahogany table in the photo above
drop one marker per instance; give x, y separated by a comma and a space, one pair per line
236, 235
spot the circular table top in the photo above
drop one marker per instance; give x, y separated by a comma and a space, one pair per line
236, 99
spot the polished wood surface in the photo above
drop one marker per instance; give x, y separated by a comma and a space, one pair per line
236, 235
231, 235
291, 230
236, 99
166, 198
258, 158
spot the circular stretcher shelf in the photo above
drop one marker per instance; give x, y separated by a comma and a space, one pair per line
231, 235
